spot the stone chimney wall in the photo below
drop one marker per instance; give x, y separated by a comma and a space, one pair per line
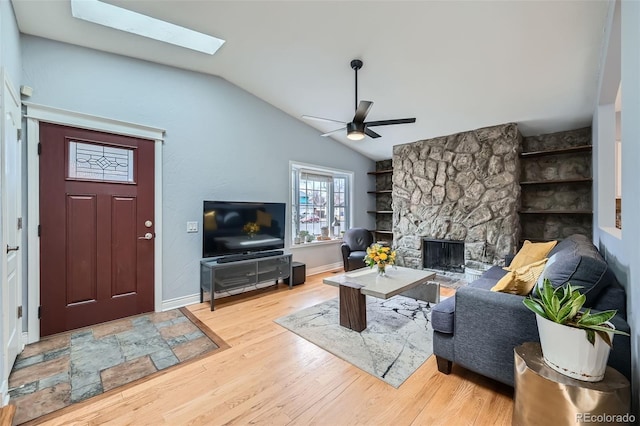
461, 187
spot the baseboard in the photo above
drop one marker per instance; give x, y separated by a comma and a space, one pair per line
179, 302
25, 340
324, 268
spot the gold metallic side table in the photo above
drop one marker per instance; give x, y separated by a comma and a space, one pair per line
545, 397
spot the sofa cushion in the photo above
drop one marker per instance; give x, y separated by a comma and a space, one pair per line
567, 243
529, 253
493, 273
442, 314
578, 262
612, 296
485, 283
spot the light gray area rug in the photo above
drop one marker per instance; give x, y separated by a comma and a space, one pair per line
398, 338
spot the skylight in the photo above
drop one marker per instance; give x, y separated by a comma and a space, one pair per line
136, 23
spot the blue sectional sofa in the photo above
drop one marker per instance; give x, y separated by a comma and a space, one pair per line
478, 328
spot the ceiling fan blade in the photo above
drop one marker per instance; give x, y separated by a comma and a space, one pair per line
362, 111
389, 122
371, 133
333, 131
310, 117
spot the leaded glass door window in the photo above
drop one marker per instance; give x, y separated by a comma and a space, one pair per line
88, 161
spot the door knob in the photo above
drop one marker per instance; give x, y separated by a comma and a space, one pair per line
147, 236
12, 248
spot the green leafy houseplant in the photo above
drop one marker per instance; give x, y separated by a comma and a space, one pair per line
562, 305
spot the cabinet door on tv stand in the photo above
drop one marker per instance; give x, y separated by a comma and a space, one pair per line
234, 275
276, 268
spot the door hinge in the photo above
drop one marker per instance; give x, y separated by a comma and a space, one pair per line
39, 148
19, 311
39, 312
39, 229
19, 223
19, 134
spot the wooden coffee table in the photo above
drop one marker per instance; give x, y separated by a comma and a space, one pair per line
355, 285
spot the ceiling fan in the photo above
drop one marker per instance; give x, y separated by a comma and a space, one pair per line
358, 128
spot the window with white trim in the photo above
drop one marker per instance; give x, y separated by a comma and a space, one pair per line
320, 202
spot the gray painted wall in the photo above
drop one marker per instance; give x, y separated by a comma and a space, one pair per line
222, 143
10, 42
10, 61
621, 250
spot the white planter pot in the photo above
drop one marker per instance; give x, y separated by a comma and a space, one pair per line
567, 350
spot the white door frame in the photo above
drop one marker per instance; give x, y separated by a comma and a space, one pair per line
12, 341
35, 114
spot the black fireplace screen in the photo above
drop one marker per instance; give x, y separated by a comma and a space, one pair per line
444, 255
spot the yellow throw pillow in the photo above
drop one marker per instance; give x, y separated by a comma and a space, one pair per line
529, 253
522, 280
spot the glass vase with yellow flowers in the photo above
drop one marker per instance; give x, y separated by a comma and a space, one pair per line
380, 256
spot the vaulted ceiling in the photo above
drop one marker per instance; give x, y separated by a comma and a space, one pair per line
454, 65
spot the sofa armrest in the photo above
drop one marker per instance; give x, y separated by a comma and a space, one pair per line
488, 325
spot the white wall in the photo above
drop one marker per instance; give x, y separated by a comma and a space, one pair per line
222, 143
10, 61
621, 249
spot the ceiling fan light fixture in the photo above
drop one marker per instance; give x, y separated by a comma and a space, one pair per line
358, 128
355, 131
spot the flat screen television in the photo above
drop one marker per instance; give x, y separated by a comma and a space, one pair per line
242, 227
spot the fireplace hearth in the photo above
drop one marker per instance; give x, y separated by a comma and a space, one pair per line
443, 255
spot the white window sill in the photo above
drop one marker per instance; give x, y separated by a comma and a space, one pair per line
316, 243
614, 232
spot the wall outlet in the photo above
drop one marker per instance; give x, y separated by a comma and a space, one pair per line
192, 226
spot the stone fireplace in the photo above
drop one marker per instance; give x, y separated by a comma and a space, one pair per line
462, 187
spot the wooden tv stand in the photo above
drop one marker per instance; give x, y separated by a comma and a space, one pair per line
216, 276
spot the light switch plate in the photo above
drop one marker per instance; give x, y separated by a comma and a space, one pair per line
192, 226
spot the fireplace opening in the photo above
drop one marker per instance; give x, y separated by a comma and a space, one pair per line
444, 255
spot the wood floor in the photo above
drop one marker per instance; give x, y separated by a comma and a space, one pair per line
271, 376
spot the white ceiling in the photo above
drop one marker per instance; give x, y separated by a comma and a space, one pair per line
454, 65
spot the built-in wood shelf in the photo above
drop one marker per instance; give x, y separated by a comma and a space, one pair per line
383, 203
556, 181
569, 150
380, 172
555, 212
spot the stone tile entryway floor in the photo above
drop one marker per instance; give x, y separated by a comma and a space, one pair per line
71, 367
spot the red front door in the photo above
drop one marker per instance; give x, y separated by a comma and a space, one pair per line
96, 227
